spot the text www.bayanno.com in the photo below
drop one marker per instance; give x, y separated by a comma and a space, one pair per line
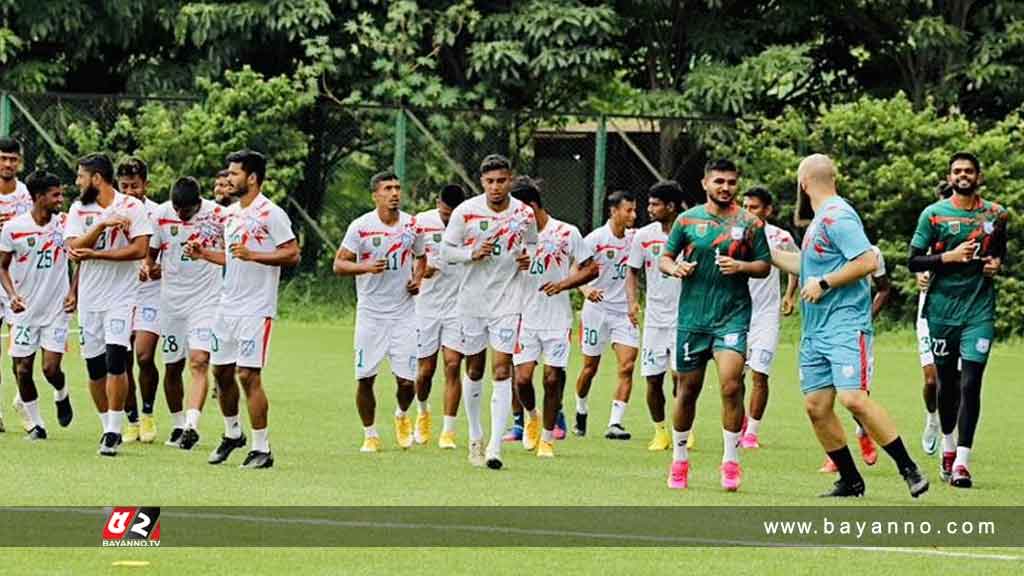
864, 528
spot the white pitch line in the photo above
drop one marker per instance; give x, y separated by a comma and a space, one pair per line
544, 532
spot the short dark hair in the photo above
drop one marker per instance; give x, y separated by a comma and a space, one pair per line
40, 182
98, 163
452, 195
944, 190
252, 163
963, 155
10, 145
720, 165
133, 166
382, 177
527, 190
618, 197
761, 193
185, 192
494, 162
668, 191
223, 173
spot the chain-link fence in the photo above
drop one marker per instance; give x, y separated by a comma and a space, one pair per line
579, 157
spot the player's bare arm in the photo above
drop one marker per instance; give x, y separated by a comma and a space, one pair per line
859, 267
789, 299
89, 239
136, 250
196, 251
788, 262
883, 291
756, 269
580, 275
285, 255
17, 304
667, 264
632, 304
345, 264
71, 300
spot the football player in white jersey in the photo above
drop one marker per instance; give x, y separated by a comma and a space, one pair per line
14, 200
133, 180
107, 233
189, 295
34, 274
259, 241
222, 189
605, 318
437, 316
493, 235
378, 250
664, 204
560, 263
768, 303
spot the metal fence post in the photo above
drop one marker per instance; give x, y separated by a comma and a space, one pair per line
5, 115
600, 154
400, 144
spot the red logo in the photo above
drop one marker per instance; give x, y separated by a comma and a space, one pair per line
132, 527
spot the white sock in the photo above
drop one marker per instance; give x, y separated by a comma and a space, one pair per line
679, 446
547, 435
731, 441
472, 391
178, 419
963, 456
260, 443
61, 394
948, 443
103, 422
618, 411
501, 403
370, 431
449, 424
932, 418
33, 413
116, 419
399, 413
192, 419
581, 405
752, 425
423, 406
232, 429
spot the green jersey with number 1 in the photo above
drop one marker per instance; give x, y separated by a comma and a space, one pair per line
710, 300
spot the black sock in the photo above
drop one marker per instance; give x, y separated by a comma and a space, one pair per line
132, 415
517, 419
844, 462
147, 408
898, 452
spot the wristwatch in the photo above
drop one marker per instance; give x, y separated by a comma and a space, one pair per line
824, 285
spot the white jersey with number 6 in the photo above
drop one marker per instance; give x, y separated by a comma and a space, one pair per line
188, 285
383, 295
611, 254
250, 288
39, 267
559, 246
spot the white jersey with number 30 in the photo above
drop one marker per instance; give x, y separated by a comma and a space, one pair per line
611, 254
39, 267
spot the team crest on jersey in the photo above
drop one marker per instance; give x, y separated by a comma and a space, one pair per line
736, 232
702, 229
484, 224
437, 237
954, 227
656, 249
88, 220
988, 227
376, 241
31, 241
174, 230
610, 254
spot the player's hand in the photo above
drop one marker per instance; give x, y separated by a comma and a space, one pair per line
17, 304
523, 261
70, 303
154, 271
430, 272
684, 269
923, 280
812, 292
412, 287
193, 250
241, 252
992, 266
81, 254
375, 266
484, 251
788, 305
116, 221
552, 288
962, 253
593, 294
728, 266
634, 314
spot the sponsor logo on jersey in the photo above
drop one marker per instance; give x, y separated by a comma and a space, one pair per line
983, 345
737, 232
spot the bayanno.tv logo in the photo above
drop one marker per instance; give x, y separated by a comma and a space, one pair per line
132, 527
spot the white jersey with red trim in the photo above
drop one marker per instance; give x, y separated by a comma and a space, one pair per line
12, 205
611, 254
39, 267
766, 293
148, 293
662, 290
559, 246
103, 284
250, 288
188, 285
438, 297
384, 295
491, 287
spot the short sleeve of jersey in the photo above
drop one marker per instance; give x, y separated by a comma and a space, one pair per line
881, 262
636, 253
848, 236
156, 240
759, 243
456, 228
74, 227
5, 240
280, 226
140, 222
677, 239
923, 237
351, 240
418, 245
580, 251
